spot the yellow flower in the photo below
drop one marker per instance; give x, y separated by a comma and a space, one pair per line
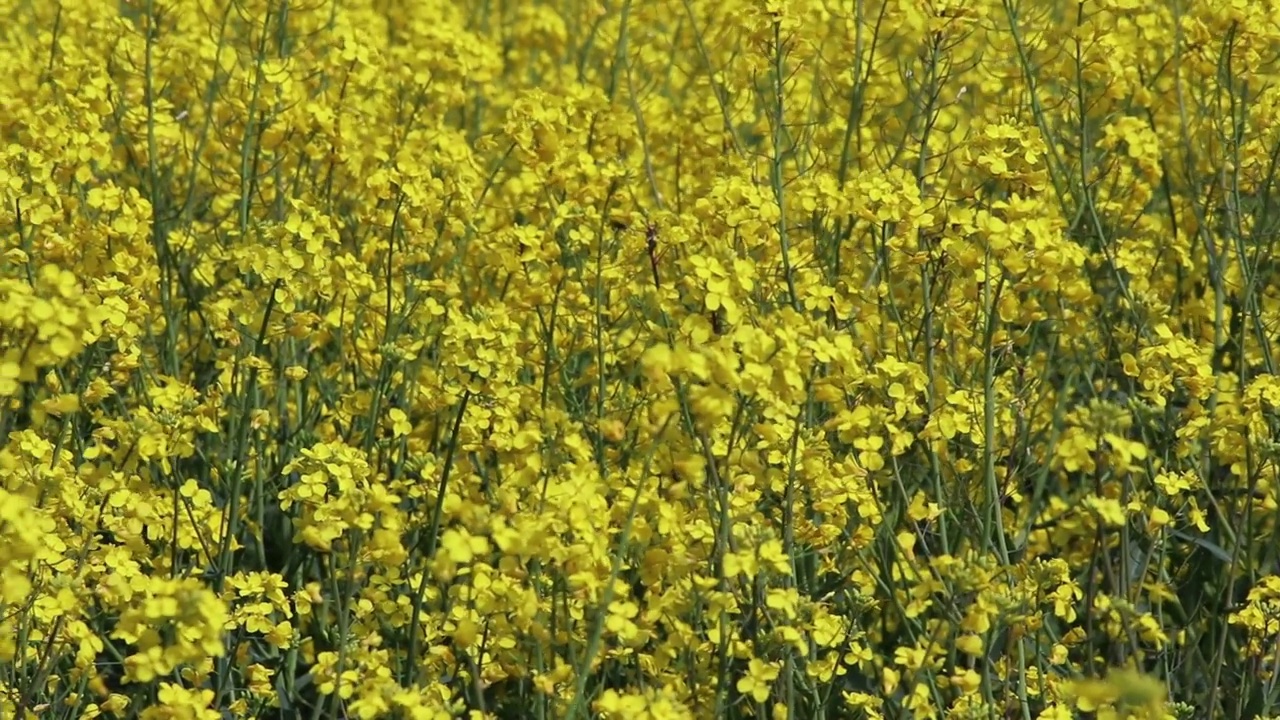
758, 681
400, 424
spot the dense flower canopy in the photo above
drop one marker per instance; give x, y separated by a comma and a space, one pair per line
639, 359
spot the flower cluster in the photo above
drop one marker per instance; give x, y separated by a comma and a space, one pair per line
665, 359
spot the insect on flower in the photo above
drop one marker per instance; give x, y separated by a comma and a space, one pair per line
651, 245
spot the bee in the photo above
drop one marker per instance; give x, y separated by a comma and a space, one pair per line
651, 245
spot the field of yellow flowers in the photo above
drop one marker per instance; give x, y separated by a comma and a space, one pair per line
639, 359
